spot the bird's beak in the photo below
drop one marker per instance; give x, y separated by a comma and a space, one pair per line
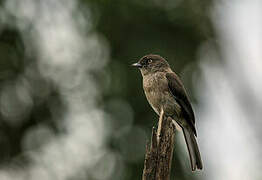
138, 65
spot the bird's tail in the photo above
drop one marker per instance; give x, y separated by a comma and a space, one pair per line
194, 154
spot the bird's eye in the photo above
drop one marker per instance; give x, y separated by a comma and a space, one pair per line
149, 61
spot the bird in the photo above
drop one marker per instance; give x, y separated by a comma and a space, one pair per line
165, 92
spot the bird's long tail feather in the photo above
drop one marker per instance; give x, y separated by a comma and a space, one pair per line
194, 154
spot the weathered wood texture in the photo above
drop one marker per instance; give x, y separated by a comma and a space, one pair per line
159, 154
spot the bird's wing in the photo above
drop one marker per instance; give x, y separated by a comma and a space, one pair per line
178, 91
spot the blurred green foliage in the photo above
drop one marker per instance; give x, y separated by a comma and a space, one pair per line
13, 63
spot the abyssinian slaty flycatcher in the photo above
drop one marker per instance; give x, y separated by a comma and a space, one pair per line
165, 91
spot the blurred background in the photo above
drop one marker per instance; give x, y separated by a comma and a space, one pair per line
72, 108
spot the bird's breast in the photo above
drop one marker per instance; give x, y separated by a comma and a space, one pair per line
158, 94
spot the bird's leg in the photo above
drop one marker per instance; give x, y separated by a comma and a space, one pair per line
161, 117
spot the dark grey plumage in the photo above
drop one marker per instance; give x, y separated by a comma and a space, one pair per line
165, 91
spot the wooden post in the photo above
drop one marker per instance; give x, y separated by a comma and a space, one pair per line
159, 154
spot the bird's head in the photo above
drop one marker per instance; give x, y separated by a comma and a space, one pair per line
151, 64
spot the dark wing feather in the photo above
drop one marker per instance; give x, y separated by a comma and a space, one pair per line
177, 89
